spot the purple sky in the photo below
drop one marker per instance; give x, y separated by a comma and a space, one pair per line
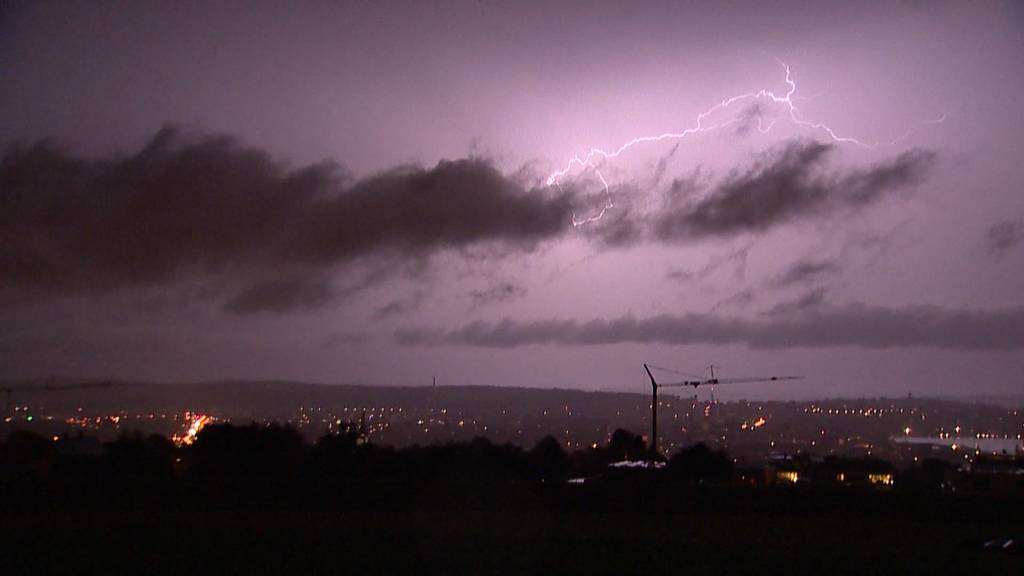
360, 193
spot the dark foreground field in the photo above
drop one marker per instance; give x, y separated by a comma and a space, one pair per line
528, 530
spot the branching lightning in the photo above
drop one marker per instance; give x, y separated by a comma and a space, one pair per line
596, 155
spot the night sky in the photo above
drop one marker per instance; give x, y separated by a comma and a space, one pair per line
383, 192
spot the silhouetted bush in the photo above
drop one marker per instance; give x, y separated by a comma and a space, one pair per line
476, 460
624, 445
931, 475
247, 451
699, 464
27, 454
137, 455
548, 461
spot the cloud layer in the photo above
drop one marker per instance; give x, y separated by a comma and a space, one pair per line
1004, 236
854, 325
789, 183
786, 184
806, 272
234, 226
263, 236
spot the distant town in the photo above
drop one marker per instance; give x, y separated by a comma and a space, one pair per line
471, 477
898, 430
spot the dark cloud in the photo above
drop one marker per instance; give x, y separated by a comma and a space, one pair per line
401, 306
737, 257
1003, 236
740, 299
680, 275
805, 272
662, 166
497, 293
619, 228
784, 185
453, 205
811, 299
260, 236
285, 295
270, 237
876, 244
683, 188
750, 118
621, 225
854, 325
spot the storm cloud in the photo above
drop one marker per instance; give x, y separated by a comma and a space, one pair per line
400, 306
805, 272
811, 299
258, 236
853, 325
1003, 236
199, 208
497, 292
786, 184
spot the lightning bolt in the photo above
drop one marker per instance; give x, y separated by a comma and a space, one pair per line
595, 156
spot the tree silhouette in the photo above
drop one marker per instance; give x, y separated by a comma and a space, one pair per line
133, 454
547, 460
247, 451
699, 464
27, 454
624, 445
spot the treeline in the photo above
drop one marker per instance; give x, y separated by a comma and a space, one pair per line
228, 463
233, 467
254, 451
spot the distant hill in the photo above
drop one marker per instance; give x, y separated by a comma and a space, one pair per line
266, 398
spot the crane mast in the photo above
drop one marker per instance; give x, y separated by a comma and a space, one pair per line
654, 452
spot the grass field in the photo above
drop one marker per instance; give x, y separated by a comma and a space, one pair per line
777, 534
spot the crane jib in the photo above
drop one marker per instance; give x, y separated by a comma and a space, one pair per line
653, 445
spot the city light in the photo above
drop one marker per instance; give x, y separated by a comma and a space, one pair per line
882, 479
199, 421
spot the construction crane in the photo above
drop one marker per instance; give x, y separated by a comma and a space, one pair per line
695, 382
